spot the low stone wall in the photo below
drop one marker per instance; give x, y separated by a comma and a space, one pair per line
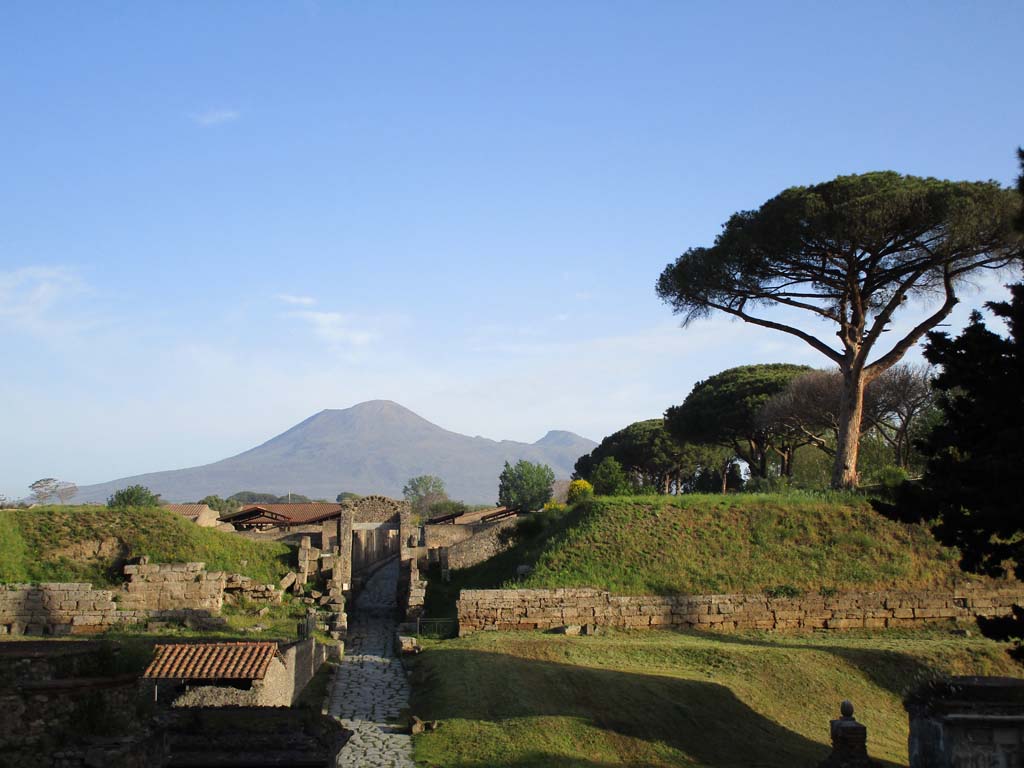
484, 543
514, 609
59, 609
159, 591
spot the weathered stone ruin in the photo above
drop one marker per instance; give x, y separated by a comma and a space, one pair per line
180, 592
546, 609
62, 705
967, 721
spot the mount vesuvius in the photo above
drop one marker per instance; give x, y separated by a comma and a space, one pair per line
373, 447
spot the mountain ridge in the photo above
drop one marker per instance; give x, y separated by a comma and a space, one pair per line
372, 447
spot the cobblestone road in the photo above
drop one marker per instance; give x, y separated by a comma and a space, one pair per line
370, 686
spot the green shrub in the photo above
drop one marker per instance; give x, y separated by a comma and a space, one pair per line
609, 478
134, 496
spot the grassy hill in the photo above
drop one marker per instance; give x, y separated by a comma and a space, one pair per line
700, 544
88, 544
525, 700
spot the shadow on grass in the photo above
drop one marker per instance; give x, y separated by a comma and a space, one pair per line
893, 671
703, 721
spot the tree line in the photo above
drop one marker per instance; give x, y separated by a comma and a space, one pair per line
759, 417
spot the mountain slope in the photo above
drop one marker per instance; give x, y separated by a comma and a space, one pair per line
373, 447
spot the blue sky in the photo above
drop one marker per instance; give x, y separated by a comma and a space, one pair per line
219, 218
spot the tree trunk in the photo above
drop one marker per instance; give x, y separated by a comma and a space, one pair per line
851, 413
787, 461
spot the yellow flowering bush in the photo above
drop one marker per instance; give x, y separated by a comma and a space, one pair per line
579, 490
554, 506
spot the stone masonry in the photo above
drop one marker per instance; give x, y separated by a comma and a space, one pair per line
166, 591
531, 609
60, 609
485, 542
188, 586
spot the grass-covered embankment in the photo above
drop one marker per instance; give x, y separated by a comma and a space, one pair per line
700, 544
86, 543
675, 699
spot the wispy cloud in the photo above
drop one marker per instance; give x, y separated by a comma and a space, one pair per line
334, 327
34, 298
216, 116
288, 298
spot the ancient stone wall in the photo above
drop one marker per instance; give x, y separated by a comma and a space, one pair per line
485, 543
413, 590
59, 609
43, 723
172, 586
543, 609
377, 509
188, 587
445, 535
159, 591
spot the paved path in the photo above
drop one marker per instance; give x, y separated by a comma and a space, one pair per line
370, 687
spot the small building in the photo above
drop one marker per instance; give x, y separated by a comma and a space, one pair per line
200, 514
244, 673
263, 517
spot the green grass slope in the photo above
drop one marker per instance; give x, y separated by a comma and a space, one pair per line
60, 544
700, 544
530, 700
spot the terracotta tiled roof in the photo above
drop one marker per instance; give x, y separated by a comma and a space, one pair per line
288, 514
212, 661
191, 511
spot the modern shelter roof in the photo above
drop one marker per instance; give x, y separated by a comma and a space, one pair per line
212, 661
284, 514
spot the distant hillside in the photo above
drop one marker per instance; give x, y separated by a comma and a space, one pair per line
373, 447
91, 544
701, 544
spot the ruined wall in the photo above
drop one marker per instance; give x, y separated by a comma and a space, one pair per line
485, 543
52, 722
413, 590
59, 609
188, 587
552, 608
378, 509
172, 586
160, 591
435, 536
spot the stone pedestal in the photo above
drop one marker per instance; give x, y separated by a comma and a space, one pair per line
849, 741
